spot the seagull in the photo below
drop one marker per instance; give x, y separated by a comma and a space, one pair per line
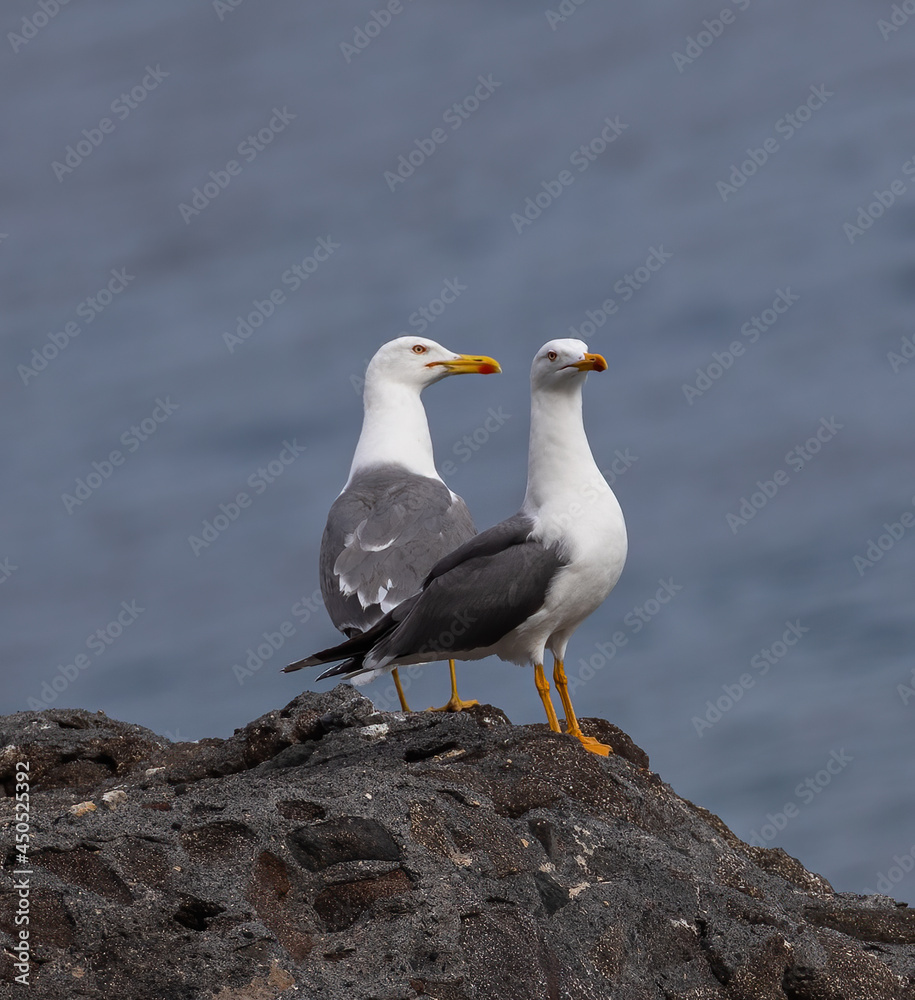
524, 585
395, 517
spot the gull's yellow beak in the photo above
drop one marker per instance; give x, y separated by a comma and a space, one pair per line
590, 363
465, 364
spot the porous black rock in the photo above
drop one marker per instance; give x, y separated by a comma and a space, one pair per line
330, 851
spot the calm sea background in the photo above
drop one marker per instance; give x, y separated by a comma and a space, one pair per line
206, 76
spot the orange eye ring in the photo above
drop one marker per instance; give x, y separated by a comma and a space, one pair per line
420, 349
552, 355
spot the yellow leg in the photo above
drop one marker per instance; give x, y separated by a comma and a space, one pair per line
543, 689
454, 704
400, 694
572, 727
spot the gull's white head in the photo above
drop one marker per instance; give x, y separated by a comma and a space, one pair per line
564, 363
418, 362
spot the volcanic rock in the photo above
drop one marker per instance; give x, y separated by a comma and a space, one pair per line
330, 851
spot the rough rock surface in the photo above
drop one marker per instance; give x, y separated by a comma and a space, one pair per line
328, 851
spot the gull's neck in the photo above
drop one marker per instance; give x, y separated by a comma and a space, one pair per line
394, 430
561, 469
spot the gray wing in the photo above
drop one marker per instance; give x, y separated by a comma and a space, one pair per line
383, 535
512, 531
476, 602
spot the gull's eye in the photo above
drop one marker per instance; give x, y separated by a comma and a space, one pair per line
552, 355
420, 349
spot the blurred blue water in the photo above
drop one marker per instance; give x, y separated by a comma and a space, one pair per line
345, 118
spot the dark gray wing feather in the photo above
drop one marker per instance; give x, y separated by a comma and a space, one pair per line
472, 598
383, 535
512, 531
473, 604
470, 607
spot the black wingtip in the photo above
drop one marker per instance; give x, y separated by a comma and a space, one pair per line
309, 661
350, 666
